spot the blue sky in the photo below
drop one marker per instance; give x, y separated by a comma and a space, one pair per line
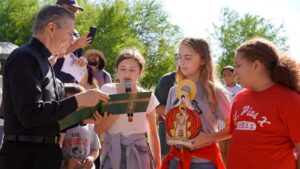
195, 17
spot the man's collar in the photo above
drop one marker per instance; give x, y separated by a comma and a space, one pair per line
44, 51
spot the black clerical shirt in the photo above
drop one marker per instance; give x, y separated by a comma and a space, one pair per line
30, 94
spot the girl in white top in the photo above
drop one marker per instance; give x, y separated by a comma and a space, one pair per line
125, 145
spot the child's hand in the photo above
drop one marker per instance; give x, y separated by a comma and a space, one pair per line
200, 140
81, 61
98, 118
72, 163
88, 162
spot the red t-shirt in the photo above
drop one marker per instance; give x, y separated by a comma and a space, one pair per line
265, 126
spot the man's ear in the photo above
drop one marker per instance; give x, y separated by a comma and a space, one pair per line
50, 28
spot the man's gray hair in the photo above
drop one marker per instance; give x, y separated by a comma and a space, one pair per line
50, 13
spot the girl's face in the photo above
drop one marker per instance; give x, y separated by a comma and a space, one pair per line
244, 71
190, 61
129, 69
228, 77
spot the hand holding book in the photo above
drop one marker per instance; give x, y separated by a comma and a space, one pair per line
118, 104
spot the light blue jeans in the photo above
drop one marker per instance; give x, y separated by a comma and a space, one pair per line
205, 165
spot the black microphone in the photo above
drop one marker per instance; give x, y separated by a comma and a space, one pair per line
128, 90
127, 86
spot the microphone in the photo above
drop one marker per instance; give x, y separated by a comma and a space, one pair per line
128, 90
127, 85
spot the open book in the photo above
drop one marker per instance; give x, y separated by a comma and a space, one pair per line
118, 104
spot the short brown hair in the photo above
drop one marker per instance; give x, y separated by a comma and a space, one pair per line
131, 53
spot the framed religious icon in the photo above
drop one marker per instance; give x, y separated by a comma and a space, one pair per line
182, 122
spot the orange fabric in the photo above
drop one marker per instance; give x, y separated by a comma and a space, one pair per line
210, 152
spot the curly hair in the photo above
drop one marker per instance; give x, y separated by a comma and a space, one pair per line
281, 68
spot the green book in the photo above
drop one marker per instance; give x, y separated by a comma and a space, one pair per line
118, 104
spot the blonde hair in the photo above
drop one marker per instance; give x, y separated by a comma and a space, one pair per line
206, 71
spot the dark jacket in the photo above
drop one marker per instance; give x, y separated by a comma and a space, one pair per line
31, 94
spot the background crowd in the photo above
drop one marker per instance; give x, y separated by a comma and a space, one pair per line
258, 130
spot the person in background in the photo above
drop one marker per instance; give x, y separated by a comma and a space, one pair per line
97, 61
89, 81
80, 144
265, 115
229, 79
125, 143
211, 104
233, 88
32, 99
75, 47
161, 92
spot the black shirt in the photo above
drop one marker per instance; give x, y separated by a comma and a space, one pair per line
162, 89
30, 93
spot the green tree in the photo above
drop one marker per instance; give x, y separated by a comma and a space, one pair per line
235, 29
121, 23
16, 20
159, 37
142, 24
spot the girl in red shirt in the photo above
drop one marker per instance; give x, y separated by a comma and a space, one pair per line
265, 116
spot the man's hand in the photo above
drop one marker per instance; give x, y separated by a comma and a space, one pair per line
90, 98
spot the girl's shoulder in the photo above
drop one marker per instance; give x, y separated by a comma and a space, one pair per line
108, 87
220, 89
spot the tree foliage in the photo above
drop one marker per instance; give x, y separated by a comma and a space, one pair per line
235, 29
15, 22
142, 24
121, 24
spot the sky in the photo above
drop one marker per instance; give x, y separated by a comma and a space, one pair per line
195, 17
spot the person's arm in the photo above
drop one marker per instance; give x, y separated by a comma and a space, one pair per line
103, 123
79, 43
28, 98
204, 138
154, 139
223, 112
160, 110
71, 163
89, 160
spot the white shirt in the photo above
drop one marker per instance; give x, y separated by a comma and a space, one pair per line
139, 123
233, 91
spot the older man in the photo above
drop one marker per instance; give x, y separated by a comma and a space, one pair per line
31, 98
